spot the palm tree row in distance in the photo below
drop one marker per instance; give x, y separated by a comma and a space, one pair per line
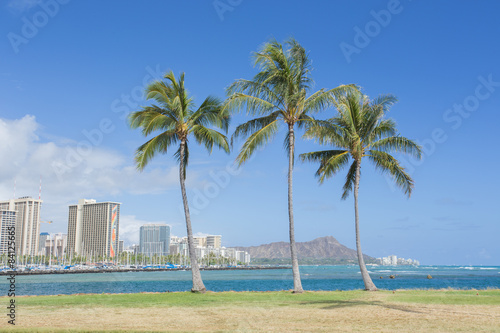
278, 94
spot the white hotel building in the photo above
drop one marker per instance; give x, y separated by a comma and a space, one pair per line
93, 228
26, 212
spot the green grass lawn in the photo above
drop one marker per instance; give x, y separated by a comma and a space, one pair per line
208, 299
453, 297
462, 297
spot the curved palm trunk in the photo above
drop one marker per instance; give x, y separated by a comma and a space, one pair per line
369, 285
297, 284
198, 285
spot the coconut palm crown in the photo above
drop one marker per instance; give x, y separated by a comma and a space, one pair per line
174, 116
360, 131
278, 94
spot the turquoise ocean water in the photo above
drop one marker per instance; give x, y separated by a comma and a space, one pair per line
313, 278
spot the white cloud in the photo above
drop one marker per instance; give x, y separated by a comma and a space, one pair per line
68, 170
70, 173
201, 234
16, 137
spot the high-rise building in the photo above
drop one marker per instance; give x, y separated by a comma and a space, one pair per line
120, 246
200, 241
243, 257
93, 228
174, 248
214, 241
7, 221
155, 239
41, 242
60, 243
27, 212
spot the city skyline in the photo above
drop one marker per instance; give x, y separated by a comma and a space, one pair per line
443, 71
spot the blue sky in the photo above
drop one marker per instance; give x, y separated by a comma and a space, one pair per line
71, 70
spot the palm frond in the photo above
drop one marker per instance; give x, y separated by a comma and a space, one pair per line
304, 120
254, 125
210, 113
327, 132
210, 137
353, 108
388, 164
323, 99
280, 87
318, 101
158, 144
331, 161
301, 65
349, 180
256, 89
398, 144
373, 113
253, 105
257, 139
175, 117
360, 129
151, 119
385, 127
160, 92
384, 102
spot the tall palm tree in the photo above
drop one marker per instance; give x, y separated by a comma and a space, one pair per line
358, 131
278, 93
176, 118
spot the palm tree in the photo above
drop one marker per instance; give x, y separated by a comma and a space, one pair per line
278, 93
358, 131
176, 117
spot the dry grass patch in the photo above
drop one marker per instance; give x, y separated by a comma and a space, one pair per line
266, 312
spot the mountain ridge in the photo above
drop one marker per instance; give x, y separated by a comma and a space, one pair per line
321, 248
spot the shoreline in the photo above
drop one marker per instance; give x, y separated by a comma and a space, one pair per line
125, 270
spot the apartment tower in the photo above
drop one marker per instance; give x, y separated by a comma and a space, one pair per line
93, 228
44, 236
155, 239
27, 223
214, 241
7, 226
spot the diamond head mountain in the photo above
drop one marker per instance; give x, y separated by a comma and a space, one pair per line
320, 251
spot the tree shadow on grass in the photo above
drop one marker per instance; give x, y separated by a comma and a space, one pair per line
337, 304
